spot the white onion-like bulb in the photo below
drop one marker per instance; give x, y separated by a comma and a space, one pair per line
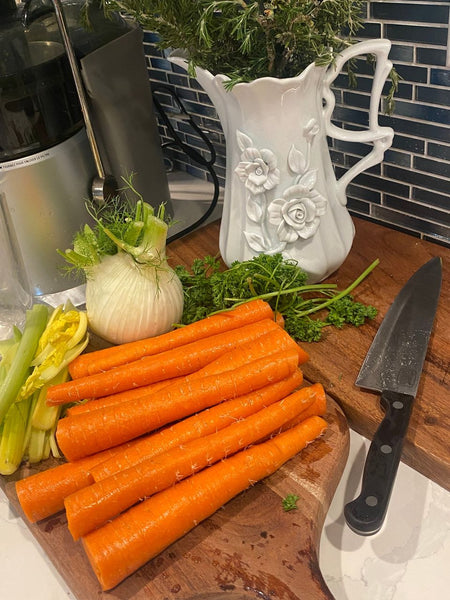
127, 301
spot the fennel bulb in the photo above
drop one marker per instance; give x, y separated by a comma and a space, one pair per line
131, 291
127, 301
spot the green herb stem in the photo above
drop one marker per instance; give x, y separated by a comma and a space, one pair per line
296, 290
343, 293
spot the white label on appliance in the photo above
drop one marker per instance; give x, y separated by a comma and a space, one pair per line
26, 161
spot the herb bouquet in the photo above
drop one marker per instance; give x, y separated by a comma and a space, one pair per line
249, 39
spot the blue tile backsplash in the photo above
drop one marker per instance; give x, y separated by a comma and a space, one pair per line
410, 189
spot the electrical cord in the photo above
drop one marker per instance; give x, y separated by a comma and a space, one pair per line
177, 142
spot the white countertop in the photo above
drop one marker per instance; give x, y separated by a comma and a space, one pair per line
407, 560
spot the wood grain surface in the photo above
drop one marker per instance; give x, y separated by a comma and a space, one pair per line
335, 362
249, 549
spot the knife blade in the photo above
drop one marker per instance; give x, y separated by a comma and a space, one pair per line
393, 367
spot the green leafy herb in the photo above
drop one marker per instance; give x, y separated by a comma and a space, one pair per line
248, 39
279, 281
121, 224
290, 502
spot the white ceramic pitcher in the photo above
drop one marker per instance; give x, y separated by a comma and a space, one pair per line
281, 194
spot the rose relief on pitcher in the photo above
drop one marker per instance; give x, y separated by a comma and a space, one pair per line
290, 217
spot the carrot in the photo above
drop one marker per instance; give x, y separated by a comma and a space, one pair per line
173, 363
112, 399
203, 423
89, 433
318, 407
122, 546
89, 508
269, 343
42, 494
107, 358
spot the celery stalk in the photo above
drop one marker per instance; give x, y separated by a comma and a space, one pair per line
53, 444
8, 349
36, 446
34, 400
13, 436
44, 417
35, 322
43, 421
47, 446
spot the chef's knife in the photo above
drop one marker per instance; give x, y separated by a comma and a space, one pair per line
393, 367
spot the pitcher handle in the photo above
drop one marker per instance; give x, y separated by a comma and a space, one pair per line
381, 137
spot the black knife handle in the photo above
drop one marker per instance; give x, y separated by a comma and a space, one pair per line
365, 515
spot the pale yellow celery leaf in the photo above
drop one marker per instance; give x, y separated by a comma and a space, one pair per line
50, 372
64, 331
57, 349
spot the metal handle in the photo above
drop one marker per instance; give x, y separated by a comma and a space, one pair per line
365, 515
103, 186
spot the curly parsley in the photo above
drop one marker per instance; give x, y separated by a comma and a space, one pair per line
290, 502
282, 283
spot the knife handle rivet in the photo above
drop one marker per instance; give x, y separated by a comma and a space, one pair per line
397, 404
386, 449
371, 500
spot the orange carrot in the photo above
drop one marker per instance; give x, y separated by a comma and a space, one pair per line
269, 343
203, 423
317, 408
105, 359
94, 505
122, 546
89, 433
42, 494
112, 399
173, 363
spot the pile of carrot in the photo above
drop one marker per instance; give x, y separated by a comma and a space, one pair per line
169, 429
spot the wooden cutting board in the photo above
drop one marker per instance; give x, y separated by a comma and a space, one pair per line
335, 362
249, 549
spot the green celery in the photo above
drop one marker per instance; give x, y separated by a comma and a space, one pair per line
43, 422
8, 349
52, 443
34, 400
47, 446
45, 417
36, 446
35, 322
13, 436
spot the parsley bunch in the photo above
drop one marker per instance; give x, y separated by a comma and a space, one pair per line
279, 281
